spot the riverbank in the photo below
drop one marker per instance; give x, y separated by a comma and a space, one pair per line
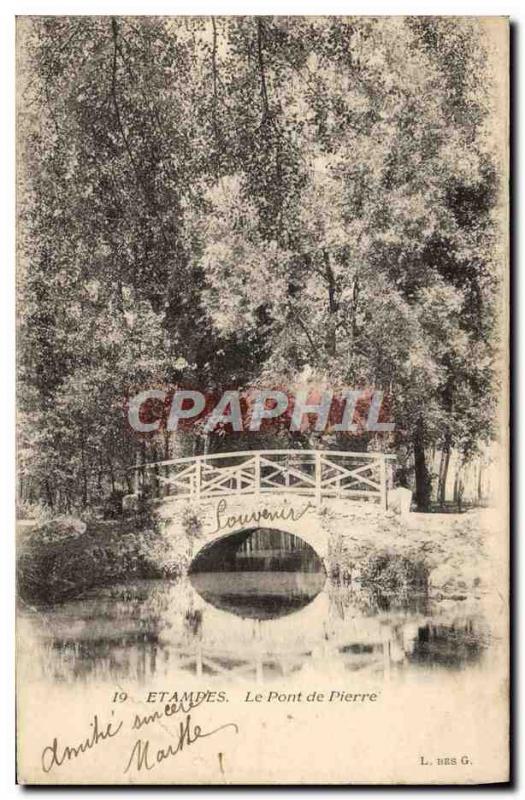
453, 554
448, 555
62, 558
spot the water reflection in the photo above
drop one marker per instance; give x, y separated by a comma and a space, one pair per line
451, 646
262, 595
255, 606
258, 574
159, 629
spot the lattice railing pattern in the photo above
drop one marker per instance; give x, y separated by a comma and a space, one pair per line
317, 473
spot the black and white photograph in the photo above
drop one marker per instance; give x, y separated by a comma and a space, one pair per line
262, 487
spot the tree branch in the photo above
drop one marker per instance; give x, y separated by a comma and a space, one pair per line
260, 56
149, 201
215, 95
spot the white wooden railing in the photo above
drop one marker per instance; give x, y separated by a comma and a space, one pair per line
317, 473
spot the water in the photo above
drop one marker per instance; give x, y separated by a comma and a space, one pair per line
251, 613
261, 574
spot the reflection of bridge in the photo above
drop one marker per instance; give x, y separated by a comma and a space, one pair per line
374, 658
312, 473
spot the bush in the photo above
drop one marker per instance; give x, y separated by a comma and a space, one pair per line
393, 572
59, 561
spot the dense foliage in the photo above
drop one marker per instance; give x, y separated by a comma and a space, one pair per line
219, 202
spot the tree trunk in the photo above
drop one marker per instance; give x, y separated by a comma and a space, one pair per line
458, 490
111, 475
84, 469
166, 458
49, 494
331, 336
422, 476
443, 472
480, 482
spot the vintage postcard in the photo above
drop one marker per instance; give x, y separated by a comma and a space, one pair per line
263, 505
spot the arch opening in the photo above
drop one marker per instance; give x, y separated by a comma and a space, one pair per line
260, 573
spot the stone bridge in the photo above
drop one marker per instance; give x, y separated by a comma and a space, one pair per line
307, 493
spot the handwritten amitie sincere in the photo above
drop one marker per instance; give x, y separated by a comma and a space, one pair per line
56, 754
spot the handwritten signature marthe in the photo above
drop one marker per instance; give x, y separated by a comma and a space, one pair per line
188, 734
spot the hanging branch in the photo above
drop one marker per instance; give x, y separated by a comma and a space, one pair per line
150, 201
305, 330
215, 96
114, 28
260, 56
147, 101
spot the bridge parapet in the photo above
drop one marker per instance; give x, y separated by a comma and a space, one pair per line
317, 474
212, 518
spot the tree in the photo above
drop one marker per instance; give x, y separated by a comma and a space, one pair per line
231, 201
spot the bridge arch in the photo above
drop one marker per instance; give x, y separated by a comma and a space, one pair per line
224, 517
295, 491
228, 552
260, 573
